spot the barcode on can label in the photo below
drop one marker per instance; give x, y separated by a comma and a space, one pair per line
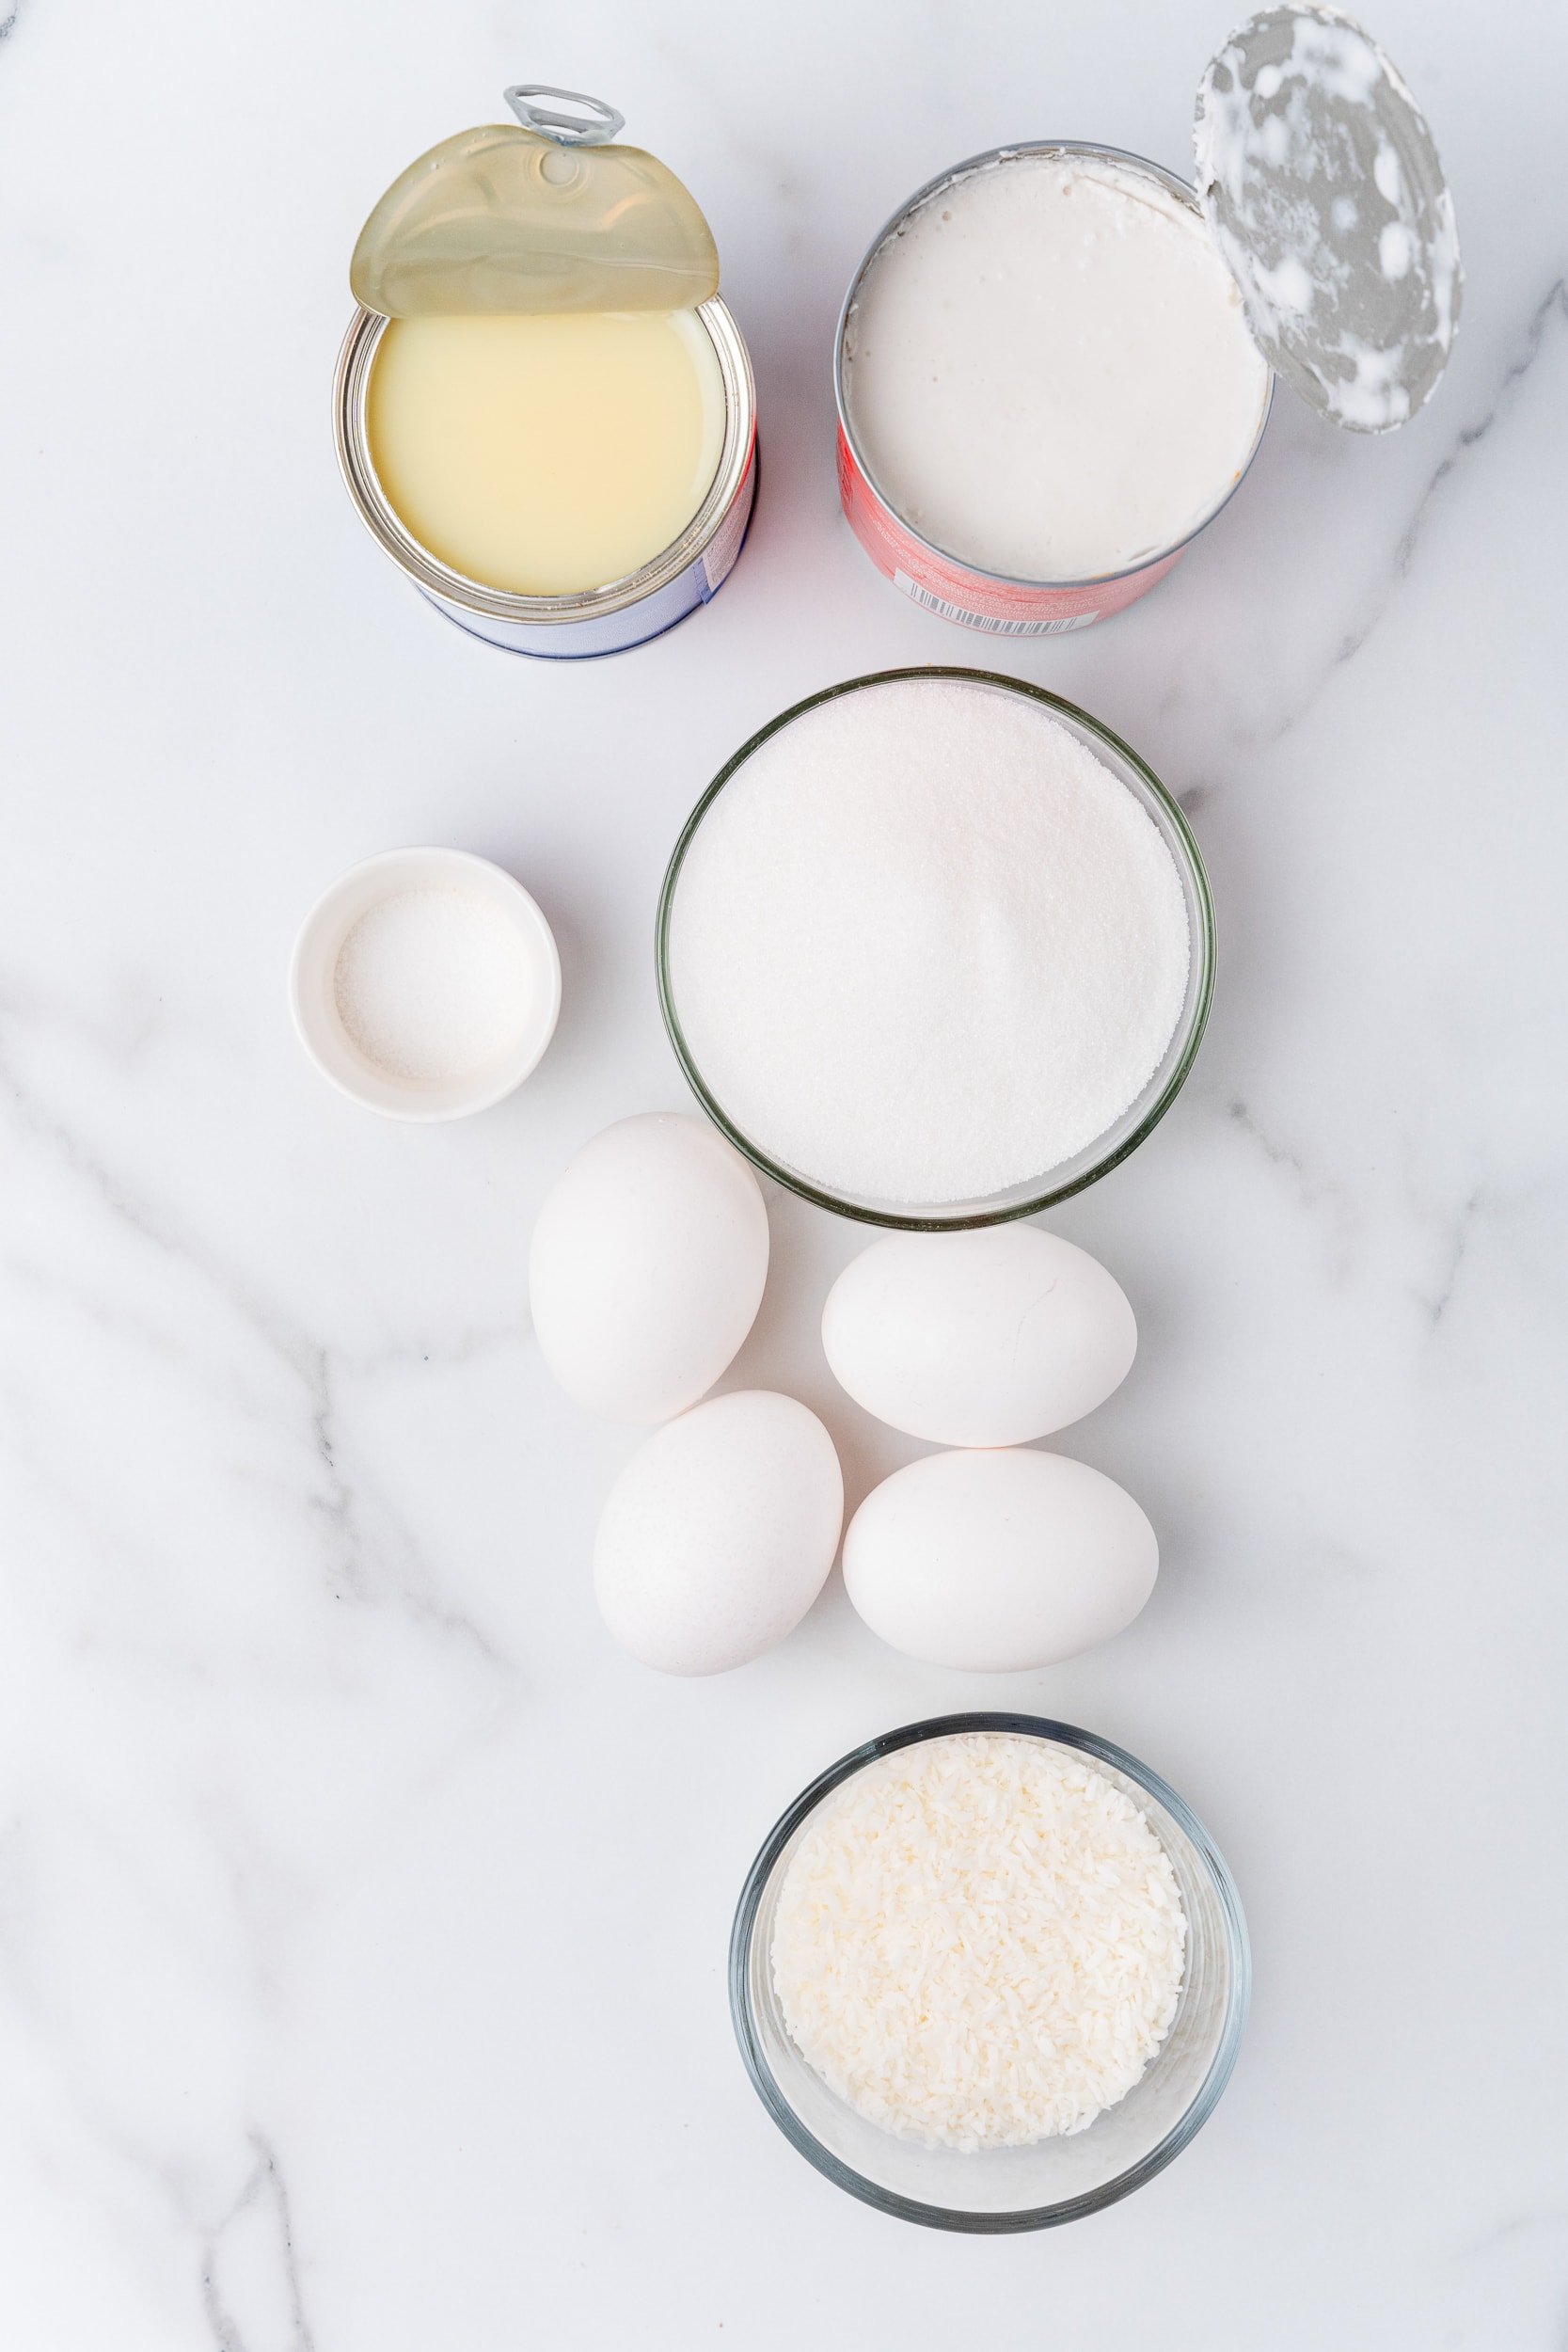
982, 620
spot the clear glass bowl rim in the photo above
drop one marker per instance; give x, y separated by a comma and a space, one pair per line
945, 2217
1005, 1210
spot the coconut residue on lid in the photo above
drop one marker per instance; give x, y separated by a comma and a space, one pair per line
1326, 196
979, 1942
433, 983
925, 945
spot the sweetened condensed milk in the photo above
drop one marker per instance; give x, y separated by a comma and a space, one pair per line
550, 453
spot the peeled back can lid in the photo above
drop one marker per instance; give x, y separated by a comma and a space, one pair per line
540, 214
1323, 192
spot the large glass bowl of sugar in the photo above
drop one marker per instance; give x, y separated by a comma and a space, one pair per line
991, 2191
936, 948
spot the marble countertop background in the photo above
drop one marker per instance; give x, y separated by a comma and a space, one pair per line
362, 1911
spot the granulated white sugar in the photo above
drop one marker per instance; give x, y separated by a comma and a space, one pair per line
979, 1942
926, 945
433, 983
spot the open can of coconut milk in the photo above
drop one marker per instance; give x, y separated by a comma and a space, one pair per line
1054, 365
1003, 601
544, 412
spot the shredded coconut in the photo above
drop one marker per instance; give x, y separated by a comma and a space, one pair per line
926, 945
979, 1942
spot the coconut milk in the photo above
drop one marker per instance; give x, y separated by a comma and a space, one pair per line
1046, 381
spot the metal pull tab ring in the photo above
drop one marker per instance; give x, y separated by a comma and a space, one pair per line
597, 124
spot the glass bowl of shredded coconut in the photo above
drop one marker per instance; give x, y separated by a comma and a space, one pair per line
936, 948
990, 1973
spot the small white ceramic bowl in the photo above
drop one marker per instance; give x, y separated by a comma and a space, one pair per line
313, 1001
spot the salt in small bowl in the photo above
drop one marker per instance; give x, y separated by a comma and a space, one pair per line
313, 998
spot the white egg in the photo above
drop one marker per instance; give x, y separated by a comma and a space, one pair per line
647, 1266
995, 1562
718, 1534
984, 1339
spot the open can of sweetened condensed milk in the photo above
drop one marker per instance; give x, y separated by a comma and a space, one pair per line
544, 413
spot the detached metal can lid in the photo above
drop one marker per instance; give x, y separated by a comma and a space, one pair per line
546, 214
1324, 194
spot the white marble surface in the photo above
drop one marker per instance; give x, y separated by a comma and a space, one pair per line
362, 1912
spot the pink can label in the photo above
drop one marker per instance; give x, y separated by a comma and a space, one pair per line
1001, 608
